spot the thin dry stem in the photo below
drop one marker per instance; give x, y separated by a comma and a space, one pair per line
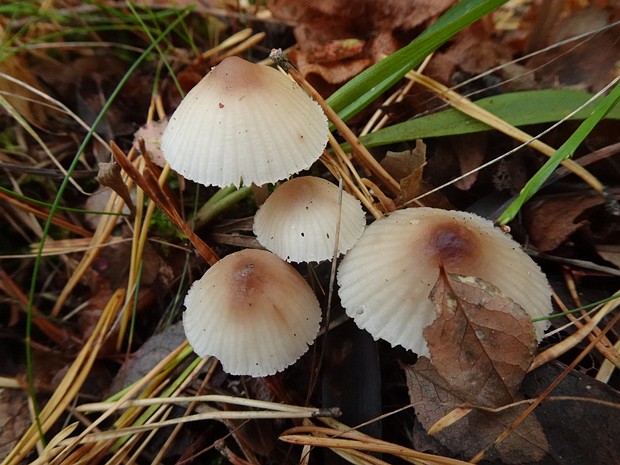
358, 148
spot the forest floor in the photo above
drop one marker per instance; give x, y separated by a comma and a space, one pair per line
95, 264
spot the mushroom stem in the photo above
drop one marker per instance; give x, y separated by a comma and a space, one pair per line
358, 148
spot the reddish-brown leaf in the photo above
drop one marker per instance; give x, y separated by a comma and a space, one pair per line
433, 398
481, 342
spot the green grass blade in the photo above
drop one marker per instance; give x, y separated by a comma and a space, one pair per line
517, 109
564, 152
354, 96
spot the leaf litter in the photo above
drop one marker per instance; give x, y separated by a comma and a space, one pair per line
479, 370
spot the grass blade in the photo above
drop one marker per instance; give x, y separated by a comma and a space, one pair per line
516, 108
564, 152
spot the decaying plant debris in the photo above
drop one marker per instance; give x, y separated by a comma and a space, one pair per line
101, 240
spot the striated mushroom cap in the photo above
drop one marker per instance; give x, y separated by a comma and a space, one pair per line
298, 221
253, 311
386, 279
247, 123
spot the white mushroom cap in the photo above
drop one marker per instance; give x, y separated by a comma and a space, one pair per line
298, 221
247, 123
253, 311
386, 279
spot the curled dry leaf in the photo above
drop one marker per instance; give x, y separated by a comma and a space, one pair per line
481, 342
433, 398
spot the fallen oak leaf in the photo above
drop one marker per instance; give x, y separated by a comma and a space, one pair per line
481, 342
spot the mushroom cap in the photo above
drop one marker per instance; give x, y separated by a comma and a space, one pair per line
247, 123
386, 279
298, 221
253, 311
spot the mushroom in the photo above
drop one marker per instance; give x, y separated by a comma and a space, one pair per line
298, 221
253, 311
244, 123
386, 279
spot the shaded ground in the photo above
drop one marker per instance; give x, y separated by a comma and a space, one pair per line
103, 308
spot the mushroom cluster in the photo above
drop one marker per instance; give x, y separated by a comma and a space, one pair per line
386, 279
244, 123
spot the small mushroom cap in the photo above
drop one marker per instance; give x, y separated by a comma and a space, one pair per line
298, 221
386, 279
253, 311
247, 123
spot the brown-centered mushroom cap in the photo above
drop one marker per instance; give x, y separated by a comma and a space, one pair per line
385, 280
253, 311
247, 123
298, 221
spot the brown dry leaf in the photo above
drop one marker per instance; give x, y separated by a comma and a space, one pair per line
406, 163
481, 342
433, 398
408, 167
470, 152
322, 26
14, 418
550, 221
22, 99
472, 51
596, 57
578, 431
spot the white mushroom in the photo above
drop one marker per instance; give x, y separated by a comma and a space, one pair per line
385, 280
298, 221
253, 311
244, 123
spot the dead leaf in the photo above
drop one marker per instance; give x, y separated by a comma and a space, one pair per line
321, 24
433, 398
14, 418
481, 342
156, 348
609, 252
402, 164
470, 152
22, 99
596, 56
551, 220
472, 51
578, 431
407, 167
